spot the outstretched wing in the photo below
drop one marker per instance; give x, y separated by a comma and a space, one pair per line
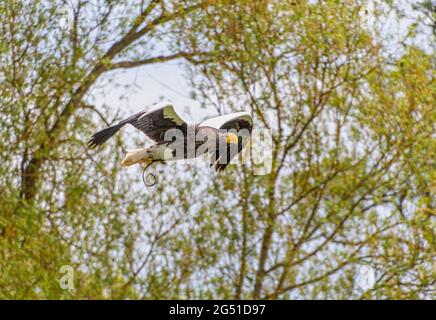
240, 123
157, 120
154, 121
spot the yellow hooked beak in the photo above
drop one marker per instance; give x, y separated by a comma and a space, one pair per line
231, 138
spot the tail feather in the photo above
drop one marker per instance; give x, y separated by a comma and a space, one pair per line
134, 156
102, 136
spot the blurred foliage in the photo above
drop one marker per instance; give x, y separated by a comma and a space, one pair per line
348, 90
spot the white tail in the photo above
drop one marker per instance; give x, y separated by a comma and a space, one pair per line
135, 156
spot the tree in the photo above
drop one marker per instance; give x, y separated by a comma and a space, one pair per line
60, 203
351, 182
350, 193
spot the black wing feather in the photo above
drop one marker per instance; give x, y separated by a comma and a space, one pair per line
152, 122
155, 123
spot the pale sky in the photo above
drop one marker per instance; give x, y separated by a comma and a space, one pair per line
134, 89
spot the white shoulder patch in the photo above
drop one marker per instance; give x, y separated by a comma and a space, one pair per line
170, 113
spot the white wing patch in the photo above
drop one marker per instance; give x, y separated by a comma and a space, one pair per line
217, 122
170, 113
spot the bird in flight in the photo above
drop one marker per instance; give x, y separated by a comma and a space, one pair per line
175, 139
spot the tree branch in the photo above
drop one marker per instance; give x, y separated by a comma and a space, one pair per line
158, 59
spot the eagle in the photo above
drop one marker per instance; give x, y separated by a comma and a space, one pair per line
174, 138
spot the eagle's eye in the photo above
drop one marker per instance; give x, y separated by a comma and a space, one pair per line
231, 138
